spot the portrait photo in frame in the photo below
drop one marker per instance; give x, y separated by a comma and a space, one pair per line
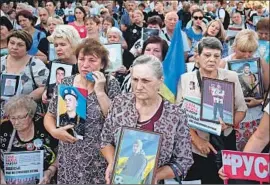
58, 71
11, 85
250, 76
217, 101
136, 158
115, 57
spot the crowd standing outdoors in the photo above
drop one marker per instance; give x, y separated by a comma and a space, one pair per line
39, 33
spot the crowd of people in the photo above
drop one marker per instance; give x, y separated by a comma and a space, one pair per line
36, 34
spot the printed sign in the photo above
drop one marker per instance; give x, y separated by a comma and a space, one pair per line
23, 167
246, 166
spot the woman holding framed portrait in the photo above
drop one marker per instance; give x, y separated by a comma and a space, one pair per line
253, 74
147, 110
206, 151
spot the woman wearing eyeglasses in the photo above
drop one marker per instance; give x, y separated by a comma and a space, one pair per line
23, 132
195, 32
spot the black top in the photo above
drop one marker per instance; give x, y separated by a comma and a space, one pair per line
132, 34
49, 144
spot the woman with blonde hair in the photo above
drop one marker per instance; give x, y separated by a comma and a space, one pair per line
215, 29
244, 47
65, 39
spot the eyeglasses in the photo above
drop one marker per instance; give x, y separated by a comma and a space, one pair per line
19, 118
196, 18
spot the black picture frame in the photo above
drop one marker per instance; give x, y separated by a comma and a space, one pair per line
14, 87
130, 141
249, 90
218, 97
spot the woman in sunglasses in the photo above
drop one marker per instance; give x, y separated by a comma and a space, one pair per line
195, 32
24, 132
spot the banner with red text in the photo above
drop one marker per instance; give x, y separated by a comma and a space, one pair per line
246, 166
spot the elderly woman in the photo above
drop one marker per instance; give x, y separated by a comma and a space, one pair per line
23, 132
133, 32
81, 159
92, 25
65, 39
27, 21
205, 167
215, 29
154, 46
5, 28
244, 46
33, 71
147, 110
114, 35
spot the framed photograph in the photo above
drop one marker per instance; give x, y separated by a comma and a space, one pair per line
217, 101
58, 71
11, 85
136, 157
256, 20
115, 57
71, 109
52, 52
250, 76
147, 32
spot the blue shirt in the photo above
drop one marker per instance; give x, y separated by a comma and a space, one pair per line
38, 35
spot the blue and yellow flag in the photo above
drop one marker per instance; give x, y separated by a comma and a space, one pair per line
173, 65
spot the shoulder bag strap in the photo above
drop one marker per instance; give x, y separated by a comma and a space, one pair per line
35, 86
11, 140
199, 79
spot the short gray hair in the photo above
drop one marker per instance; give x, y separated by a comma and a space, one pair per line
21, 102
115, 30
153, 62
210, 43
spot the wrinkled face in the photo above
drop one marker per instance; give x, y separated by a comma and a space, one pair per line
16, 47
71, 103
60, 74
43, 14
171, 20
153, 26
237, 18
113, 37
246, 69
92, 27
79, 14
213, 29
25, 23
137, 18
50, 7
209, 59
20, 120
144, 83
88, 63
106, 25
4, 32
154, 49
264, 34
197, 18
63, 48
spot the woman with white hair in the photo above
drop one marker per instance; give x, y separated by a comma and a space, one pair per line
65, 39
114, 35
24, 132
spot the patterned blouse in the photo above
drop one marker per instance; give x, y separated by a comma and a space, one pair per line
40, 73
175, 148
82, 162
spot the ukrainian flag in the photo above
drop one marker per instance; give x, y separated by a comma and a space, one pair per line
173, 65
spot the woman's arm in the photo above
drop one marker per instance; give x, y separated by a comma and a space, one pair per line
37, 93
2, 180
104, 102
260, 138
108, 153
49, 173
